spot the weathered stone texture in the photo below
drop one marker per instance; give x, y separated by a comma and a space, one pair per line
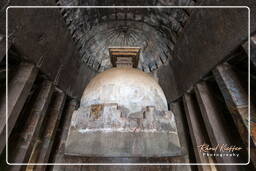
130, 88
110, 133
18, 91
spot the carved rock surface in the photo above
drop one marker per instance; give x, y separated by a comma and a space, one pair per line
130, 88
123, 113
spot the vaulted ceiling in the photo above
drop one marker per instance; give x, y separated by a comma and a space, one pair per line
201, 38
154, 30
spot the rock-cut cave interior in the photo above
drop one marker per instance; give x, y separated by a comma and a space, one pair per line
140, 84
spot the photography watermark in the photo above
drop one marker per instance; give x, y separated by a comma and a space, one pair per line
220, 150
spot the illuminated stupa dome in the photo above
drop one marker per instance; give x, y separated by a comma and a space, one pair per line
128, 87
123, 113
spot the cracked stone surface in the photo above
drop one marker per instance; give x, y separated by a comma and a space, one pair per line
123, 113
111, 132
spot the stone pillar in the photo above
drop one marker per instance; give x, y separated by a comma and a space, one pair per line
59, 157
216, 125
236, 99
197, 132
18, 91
23, 147
53, 117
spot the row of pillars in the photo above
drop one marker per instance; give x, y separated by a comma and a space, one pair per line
40, 111
49, 102
207, 123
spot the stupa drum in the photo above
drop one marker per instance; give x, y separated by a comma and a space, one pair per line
123, 113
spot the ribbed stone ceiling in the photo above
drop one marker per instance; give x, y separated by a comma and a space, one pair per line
154, 30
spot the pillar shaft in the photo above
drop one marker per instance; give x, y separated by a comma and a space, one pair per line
18, 90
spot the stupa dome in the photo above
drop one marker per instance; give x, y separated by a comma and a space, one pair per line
130, 88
